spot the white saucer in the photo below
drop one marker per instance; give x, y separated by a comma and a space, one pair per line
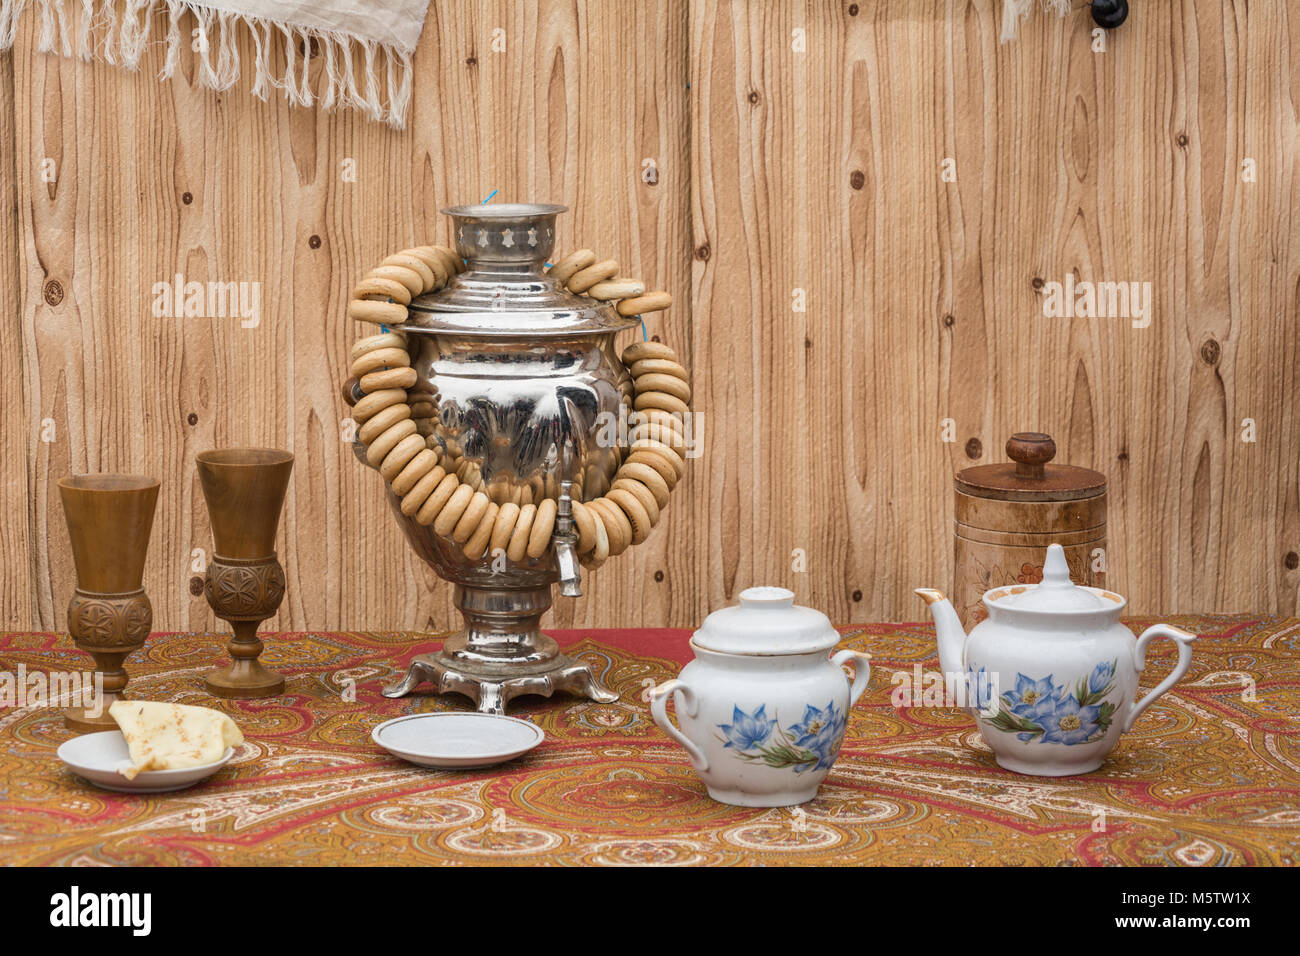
456, 738
98, 756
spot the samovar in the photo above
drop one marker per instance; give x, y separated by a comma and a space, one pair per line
519, 394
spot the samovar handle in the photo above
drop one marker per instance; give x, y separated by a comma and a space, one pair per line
565, 539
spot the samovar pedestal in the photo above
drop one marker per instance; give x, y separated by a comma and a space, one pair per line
501, 654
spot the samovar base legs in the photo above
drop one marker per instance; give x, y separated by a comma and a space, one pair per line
491, 692
501, 654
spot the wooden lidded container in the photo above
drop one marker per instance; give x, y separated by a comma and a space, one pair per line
1007, 515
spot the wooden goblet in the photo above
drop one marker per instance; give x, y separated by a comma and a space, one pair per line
109, 520
244, 489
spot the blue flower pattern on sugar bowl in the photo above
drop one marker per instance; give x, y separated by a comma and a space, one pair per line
1039, 725
763, 706
811, 744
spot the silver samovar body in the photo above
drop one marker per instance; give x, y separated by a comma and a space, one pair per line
520, 392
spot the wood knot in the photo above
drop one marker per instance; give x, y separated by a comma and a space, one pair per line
192, 418
314, 241
187, 198
196, 585
974, 448
1211, 352
948, 321
853, 9
659, 576
1182, 139
1292, 560
857, 596
702, 252
753, 97
857, 179
53, 292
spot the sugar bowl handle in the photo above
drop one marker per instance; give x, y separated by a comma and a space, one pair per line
686, 703
861, 671
1184, 640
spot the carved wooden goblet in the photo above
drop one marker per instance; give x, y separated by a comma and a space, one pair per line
109, 520
244, 489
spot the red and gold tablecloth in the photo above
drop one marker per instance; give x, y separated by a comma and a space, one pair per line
1210, 775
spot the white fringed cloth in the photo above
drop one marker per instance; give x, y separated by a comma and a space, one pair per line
1013, 11
365, 45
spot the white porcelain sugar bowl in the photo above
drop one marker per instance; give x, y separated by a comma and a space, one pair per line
764, 705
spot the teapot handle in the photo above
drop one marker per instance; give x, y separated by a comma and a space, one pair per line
1184, 640
861, 671
686, 703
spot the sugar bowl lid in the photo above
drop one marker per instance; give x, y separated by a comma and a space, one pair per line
1029, 476
767, 622
1055, 593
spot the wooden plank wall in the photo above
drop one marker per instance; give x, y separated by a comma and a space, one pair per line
799, 150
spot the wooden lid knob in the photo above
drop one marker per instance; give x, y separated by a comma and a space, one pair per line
1030, 451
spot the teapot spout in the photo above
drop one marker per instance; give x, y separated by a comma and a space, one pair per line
948, 630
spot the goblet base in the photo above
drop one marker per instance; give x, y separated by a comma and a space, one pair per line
242, 679
79, 719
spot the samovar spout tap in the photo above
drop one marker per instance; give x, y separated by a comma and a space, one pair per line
565, 540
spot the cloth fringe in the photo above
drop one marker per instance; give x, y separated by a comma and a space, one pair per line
99, 32
1013, 11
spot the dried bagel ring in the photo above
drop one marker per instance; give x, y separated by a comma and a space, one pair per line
647, 476
643, 496
450, 261
582, 281
434, 263
656, 418
418, 495
650, 302
378, 450
658, 463
659, 433
407, 277
658, 382
586, 525
571, 265
669, 403
600, 551
503, 526
647, 350
609, 289
432, 508
518, 546
384, 340
416, 265
376, 313
381, 288
651, 446
539, 538
374, 403
402, 453
470, 518
449, 517
380, 358
660, 366
637, 516
388, 378
478, 541
420, 465
381, 422
617, 526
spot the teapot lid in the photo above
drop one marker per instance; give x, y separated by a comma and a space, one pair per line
1056, 592
767, 622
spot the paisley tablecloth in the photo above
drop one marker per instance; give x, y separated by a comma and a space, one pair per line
1209, 776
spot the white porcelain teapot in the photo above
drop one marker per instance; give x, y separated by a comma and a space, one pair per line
764, 705
1051, 674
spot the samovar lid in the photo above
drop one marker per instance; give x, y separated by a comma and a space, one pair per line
505, 291
1028, 476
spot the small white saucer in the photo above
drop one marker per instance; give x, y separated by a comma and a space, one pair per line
97, 757
456, 738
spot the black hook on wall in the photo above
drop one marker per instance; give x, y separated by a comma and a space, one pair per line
1108, 14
